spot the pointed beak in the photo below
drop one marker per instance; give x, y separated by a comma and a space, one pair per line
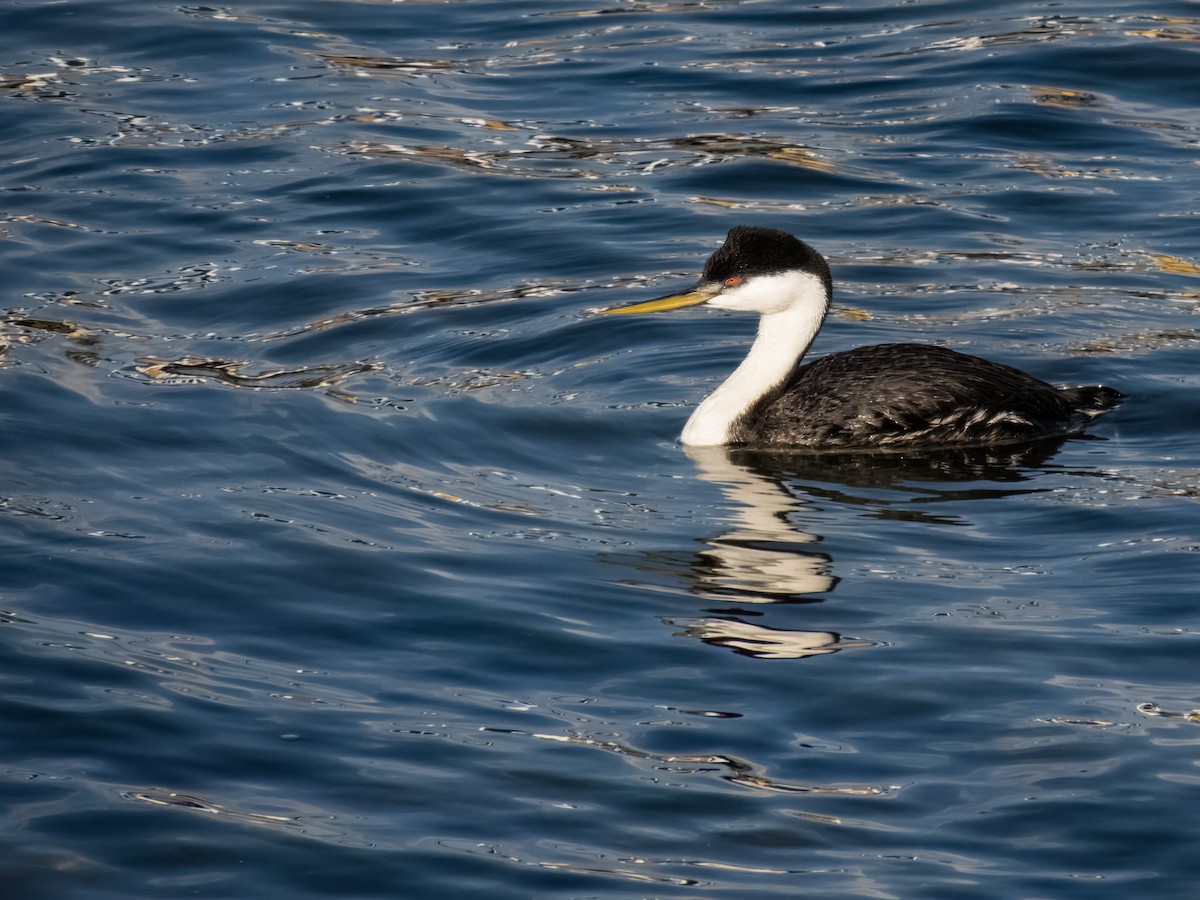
702, 292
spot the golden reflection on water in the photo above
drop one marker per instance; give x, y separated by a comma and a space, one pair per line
548, 155
1175, 265
195, 370
1171, 28
1063, 98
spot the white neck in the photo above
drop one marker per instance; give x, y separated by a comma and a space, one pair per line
783, 338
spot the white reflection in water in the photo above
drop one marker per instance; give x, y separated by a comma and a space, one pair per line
761, 554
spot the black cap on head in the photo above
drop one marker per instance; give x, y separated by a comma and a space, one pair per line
750, 251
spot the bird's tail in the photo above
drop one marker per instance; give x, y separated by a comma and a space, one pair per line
1093, 400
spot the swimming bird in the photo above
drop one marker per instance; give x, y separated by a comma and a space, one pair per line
876, 397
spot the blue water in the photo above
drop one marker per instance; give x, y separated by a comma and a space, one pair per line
347, 553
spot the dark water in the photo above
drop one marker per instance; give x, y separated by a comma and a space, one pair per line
348, 553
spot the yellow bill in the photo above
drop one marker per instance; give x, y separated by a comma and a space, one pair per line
698, 294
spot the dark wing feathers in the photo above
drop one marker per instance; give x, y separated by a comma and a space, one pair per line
911, 394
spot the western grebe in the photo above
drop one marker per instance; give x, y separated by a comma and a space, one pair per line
887, 395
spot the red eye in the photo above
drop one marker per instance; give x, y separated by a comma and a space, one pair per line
732, 280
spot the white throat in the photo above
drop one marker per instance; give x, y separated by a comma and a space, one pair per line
793, 307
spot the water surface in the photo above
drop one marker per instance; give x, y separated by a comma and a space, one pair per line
348, 553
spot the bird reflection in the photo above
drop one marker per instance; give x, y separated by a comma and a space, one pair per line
762, 642
1006, 464
766, 557
763, 557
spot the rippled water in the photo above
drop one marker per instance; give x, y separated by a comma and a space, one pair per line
348, 553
